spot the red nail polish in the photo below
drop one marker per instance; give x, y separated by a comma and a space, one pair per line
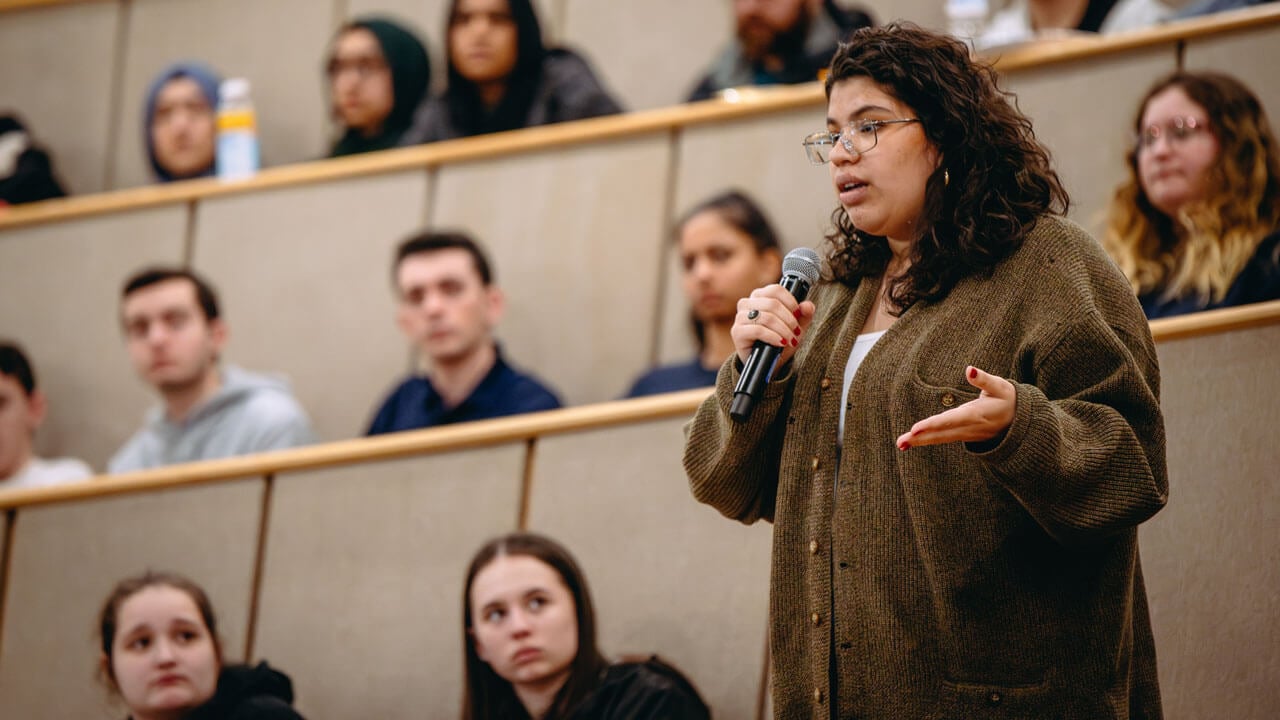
797, 314
973, 373
905, 446
795, 342
797, 332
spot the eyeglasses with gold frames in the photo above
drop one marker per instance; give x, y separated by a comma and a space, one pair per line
859, 137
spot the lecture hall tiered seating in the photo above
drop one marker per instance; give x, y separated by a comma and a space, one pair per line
342, 562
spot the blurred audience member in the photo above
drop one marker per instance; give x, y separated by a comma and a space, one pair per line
26, 172
448, 308
529, 633
779, 42
502, 77
378, 75
1208, 7
22, 409
181, 122
1025, 20
175, 335
1197, 224
162, 658
727, 249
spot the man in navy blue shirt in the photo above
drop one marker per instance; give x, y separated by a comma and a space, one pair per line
448, 307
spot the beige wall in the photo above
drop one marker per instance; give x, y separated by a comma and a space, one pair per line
649, 53
59, 291
1209, 557
1250, 55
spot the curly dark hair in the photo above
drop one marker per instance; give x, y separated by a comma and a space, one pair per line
1000, 177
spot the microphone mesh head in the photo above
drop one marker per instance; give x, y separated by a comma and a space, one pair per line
803, 262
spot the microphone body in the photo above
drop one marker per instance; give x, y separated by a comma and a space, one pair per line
799, 273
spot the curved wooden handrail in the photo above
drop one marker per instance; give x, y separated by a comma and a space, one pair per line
501, 430
384, 447
1211, 322
1078, 47
748, 102
7, 5
761, 101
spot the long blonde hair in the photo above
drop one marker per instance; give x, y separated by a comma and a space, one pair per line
1202, 250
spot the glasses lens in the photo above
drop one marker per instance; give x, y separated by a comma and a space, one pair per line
861, 136
817, 148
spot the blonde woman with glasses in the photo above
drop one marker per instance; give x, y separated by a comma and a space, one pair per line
1195, 225
963, 431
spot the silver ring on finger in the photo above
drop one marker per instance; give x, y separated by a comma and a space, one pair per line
752, 314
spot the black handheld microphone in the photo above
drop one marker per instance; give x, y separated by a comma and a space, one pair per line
800, 270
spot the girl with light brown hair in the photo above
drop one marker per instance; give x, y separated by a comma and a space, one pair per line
1195, 225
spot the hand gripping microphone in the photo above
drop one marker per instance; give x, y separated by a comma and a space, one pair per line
800, 270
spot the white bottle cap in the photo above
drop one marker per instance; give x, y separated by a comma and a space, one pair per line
234, 89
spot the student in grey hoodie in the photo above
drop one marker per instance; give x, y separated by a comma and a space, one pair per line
175, 336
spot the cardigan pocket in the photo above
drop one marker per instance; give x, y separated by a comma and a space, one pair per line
927, 399
973, 701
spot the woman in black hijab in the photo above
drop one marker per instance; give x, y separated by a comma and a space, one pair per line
378, 74
502, 76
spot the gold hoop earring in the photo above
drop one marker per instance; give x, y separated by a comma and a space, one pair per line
946, 178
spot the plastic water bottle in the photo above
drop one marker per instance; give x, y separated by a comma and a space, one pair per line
966, 19
237, 131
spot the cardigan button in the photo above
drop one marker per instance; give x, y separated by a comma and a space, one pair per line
817, 695
994, 698
948, 399
816, 619
826, 383
815, 462
813, 547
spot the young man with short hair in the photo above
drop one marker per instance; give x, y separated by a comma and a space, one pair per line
22, 410
175, 335
448, 307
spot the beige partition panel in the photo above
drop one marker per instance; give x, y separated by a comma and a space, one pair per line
364, 574
1209, 557
576, 237
59, 293
669, 575
761, 156
1252, 56
67, 557
56, 72
305, 278
649, 53
1083, 110
279, 46
929, 13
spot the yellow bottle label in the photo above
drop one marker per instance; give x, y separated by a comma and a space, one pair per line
236, 120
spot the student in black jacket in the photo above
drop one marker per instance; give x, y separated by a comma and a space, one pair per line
530, 638
161, 656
